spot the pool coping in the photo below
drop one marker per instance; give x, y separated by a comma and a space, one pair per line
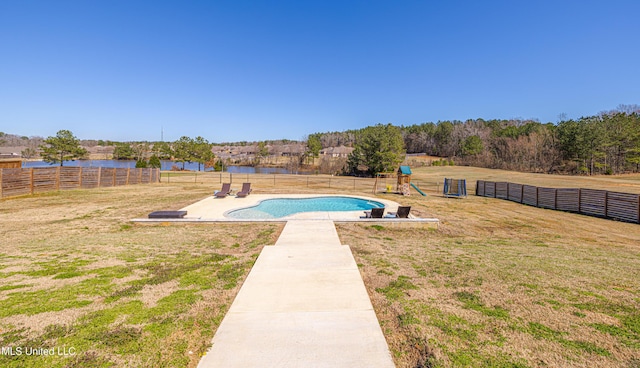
293, 215
389, 220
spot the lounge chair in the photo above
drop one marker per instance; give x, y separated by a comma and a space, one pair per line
246, 190
403, 212
225, 191
374, 213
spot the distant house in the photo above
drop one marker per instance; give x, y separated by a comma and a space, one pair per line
340, 151
293, 150
248, 150
222, 151
234, 151
9, 155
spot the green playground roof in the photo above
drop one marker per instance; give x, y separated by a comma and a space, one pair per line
405, 170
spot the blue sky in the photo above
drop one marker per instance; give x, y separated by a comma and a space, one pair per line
254, 70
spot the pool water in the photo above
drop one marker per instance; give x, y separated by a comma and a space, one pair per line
282, 207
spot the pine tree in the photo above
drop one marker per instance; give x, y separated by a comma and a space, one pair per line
63, 147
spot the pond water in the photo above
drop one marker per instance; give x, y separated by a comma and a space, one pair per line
165, 166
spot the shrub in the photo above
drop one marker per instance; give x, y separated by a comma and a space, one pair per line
154, 162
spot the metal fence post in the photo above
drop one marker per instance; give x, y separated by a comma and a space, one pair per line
579, 200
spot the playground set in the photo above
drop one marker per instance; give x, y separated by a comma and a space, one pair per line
403, 182
452, 187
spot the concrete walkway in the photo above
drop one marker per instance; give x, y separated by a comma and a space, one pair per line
302, 305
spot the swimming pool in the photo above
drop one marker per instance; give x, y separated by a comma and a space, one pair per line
283, 207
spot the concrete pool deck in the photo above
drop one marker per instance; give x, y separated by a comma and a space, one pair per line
303, 304
213, 209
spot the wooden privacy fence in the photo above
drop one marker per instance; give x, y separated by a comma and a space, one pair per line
15, 182
591, 202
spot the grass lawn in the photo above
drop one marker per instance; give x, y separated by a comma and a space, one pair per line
501, 284
498, 284
76, 276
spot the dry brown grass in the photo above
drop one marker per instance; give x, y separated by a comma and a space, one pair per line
499, 284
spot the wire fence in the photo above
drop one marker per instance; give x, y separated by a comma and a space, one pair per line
268, 180
274, 181
16, 182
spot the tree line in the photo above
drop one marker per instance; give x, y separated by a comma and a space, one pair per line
64, 146
607, 143
184, 150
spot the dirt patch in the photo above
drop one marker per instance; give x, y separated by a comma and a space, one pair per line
37, 323
41, 283
152, 293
